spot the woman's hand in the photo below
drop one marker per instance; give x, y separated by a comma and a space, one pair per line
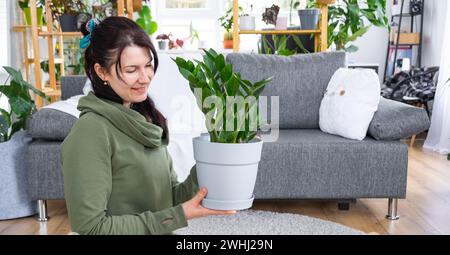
193, 208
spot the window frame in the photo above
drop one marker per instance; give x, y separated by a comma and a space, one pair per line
210, 11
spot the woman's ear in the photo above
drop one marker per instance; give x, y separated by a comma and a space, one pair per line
100, 71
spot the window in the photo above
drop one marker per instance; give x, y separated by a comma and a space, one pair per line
179, 17
185, 4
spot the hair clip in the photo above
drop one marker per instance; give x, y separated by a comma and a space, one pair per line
86, 40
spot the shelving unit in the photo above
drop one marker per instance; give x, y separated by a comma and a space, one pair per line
395, 45
320, 35
53, 89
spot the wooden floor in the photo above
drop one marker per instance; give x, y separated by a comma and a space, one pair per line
425, 211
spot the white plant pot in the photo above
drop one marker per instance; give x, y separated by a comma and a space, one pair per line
247, 23
14, 199
228, 171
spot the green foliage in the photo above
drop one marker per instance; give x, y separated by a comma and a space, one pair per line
25, 3
346, 21
73, 7
45, 68
226, 21
279, 45
215, 80
145, 20
20, 101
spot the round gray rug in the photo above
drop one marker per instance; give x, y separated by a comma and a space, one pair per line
252, 222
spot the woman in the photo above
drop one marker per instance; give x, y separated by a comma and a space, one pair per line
118, 175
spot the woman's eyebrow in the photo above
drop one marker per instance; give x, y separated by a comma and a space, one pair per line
149, 62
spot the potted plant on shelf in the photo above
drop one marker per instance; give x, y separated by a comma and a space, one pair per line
270, 15
67, 13
227, 158
15, 200
246, 21
24, 5
226, 21
309, 17
163, 40
145, 20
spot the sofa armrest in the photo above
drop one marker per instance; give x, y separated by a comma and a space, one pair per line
395, 120
50, 124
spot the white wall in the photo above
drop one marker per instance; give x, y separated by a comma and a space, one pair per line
373, 45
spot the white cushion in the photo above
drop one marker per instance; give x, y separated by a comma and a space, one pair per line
87, 87
349, 103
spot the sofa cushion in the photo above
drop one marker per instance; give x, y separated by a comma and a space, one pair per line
349, 103
50, 124
394, 120
298, 80
310, 164
72, 85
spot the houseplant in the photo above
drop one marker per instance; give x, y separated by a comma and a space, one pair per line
278, 45
24, 5
163, 40
227, 158
309, 17
270, 15
347, 21
226, 21
66, 12
15, 201
145, 20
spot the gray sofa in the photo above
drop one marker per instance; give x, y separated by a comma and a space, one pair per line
304, 163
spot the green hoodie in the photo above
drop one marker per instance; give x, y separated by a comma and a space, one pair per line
118, 175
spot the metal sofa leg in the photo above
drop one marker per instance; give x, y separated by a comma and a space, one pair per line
42, 209
392, 209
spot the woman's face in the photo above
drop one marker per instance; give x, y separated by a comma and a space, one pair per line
136, 73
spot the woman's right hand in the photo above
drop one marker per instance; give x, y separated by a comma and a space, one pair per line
193, 208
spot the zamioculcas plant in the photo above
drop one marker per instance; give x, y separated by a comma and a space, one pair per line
226, 160
20, 101
215, 80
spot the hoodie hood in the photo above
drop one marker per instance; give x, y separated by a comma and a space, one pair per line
127, 120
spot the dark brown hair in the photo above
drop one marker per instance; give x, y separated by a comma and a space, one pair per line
108, 40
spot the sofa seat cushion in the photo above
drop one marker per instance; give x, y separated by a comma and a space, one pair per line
307, 163
50, 124
395, 120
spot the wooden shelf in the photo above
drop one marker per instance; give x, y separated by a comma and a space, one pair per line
52, 88
279, 32
60, 33
51, 92
20, 28
320, 34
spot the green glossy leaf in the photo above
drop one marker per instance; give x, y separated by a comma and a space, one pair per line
226, 72
15, 74
20, 106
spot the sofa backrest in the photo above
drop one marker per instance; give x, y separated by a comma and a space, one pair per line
72, 85
298, 80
